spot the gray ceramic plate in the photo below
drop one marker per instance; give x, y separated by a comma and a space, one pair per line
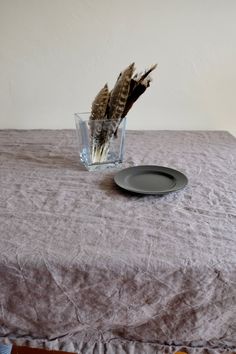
150, 179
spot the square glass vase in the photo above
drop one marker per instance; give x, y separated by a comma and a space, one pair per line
100, 142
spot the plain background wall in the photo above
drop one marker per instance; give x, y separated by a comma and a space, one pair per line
56, 54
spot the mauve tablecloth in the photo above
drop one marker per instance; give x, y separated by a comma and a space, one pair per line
86, 267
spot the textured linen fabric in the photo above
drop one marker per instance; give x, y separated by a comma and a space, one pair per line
87, 267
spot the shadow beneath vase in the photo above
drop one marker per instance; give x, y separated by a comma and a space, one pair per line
45, 160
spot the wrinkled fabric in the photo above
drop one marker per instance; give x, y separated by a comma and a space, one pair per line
87, 267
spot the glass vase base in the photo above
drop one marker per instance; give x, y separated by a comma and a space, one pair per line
100, 166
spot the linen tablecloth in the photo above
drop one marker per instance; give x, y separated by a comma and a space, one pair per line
87, 267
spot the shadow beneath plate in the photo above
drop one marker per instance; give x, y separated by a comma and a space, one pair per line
110, 187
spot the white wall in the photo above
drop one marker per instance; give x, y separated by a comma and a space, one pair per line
56, 54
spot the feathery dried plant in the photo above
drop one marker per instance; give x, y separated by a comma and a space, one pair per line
109, 108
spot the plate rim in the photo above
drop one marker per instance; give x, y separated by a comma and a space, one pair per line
165, 169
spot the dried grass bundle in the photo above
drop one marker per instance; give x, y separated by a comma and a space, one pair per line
109, 108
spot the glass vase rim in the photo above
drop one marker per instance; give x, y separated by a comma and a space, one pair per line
86, 115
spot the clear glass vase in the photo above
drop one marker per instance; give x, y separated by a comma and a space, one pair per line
100, 142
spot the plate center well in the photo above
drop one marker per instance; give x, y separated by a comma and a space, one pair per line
151, 181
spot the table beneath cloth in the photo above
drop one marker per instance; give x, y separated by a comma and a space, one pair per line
87, 267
